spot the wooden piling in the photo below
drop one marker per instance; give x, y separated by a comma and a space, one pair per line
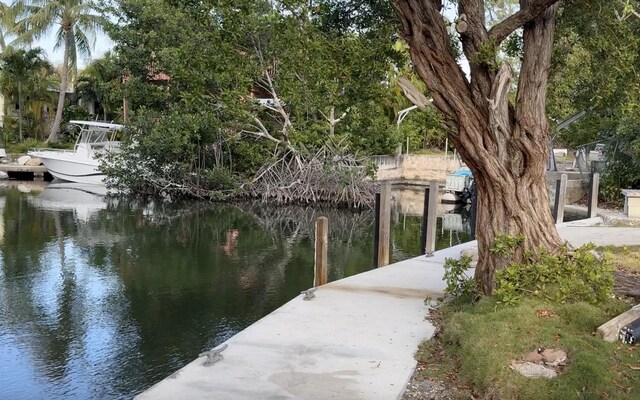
593, 195
425, 216
430, 218
561, 191
376, 230
384, 229
322, 247
474, 210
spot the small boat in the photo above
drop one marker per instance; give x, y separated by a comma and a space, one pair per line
84, 199
458, 186
81, 164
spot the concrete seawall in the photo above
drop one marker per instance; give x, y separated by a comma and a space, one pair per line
423, 168
413, 167
355, 340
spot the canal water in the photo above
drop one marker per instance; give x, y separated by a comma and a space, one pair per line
101, 298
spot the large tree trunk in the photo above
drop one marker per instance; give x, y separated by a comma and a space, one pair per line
64, 80
505, 146
21, 136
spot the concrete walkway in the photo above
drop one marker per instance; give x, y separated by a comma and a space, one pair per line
355, 340
582, 232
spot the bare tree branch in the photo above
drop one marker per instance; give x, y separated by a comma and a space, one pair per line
523, 16
333, 121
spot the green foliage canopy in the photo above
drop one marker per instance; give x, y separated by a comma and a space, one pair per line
193, 71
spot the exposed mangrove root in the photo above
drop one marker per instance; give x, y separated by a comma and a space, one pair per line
321, 178
275, 220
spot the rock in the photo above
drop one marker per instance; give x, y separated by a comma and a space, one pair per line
34, 162
473, 253
596, 254
531, 370
533, 357
24, 188
554, 357
4, 175
23, 160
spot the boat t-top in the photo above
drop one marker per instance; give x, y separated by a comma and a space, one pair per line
81, 164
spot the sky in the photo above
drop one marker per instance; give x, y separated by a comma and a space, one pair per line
102, 45
47, 43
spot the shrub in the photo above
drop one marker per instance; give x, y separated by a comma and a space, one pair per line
580, 275
459, 284
566, 277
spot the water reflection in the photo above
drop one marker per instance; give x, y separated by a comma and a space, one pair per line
101, 298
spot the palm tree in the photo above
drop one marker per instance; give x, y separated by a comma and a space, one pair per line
76, 24
24, 72
5, 17
96, 83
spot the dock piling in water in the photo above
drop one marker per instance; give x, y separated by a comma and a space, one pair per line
383, 231
322, 247
429, 218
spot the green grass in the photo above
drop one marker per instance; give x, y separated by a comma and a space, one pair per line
29, 144
623, 258
477, 343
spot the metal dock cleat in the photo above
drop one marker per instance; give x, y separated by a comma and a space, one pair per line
213, 355
308, 294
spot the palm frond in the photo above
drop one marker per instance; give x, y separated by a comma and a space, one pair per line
72, 51
83, 43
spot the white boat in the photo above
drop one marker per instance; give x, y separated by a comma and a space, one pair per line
83, 199
81, 164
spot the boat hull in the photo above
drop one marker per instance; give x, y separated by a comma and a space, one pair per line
63, 166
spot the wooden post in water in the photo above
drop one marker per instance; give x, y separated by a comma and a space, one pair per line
474, 211
561, 191
593, 195
425, 216
384, 229
376, 230
430, 218
322, 247
432, 222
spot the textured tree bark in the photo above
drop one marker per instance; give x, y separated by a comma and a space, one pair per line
504, 145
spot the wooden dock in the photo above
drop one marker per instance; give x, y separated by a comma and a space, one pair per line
26, 172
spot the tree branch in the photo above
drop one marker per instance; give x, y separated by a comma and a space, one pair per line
473, 38
424, 29
523, 16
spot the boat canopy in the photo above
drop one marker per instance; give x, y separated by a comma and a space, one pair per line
96, 124
463, 172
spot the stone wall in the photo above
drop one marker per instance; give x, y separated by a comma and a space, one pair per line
410, 167
422, 168
577, 186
